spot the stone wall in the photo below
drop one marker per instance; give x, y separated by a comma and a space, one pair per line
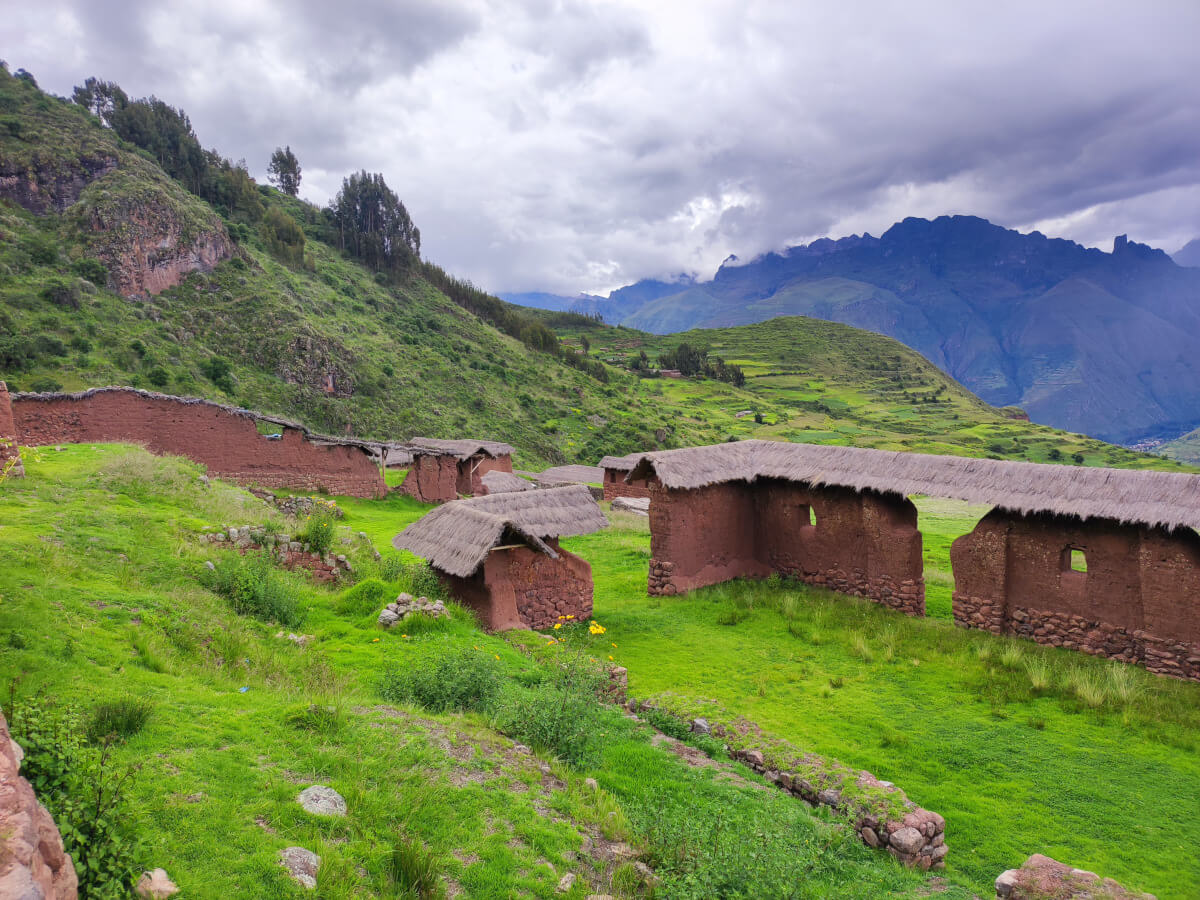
32, 861
615, 485
523, 588
866, 544
223, 439
10, 455
1138, 600
432, 479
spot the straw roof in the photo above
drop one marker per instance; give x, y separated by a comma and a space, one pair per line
457, 536
373, 448
571, 475
505, 483
460, 449
621, 463
1167, 499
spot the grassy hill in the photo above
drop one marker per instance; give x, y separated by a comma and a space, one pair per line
341, 348
826, 383
110, 621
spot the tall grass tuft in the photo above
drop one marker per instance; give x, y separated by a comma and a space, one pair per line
1011, 657
861, 647
1039, 673
413, 870
1089, 686
1123, 683
120, 719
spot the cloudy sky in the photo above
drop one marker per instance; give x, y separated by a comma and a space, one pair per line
577, 146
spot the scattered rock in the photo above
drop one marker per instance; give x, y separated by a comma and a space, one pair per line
566, 883
404, 606
301, 864
1043, 878
195, 798
208, 564
701, 726
322, 801
156, 884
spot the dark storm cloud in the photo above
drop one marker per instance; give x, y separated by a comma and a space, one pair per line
564, 145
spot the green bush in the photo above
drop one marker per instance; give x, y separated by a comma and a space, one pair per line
159, 377
93, 270
467, 679
84, 791
320, 527
118, 719
255, 588
368, 596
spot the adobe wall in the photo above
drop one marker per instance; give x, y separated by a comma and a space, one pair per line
10, 455
1138, 601
523, 588
615, 485
228, 443
866, 544
432, 479
470, 471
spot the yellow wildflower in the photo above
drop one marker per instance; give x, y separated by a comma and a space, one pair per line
376, 641
570, 617
497, 656
557, 625
610, 656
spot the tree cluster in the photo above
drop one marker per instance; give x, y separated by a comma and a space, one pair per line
691, 360
372, 224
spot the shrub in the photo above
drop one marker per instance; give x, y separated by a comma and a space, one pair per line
118, 719
217, 370
413, 870
93, 270
254, 588
61, 293
159, 377
84, 791
368, 596
561, 714
45, 385
467, 679
320, 527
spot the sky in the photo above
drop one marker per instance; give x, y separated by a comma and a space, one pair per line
578, 146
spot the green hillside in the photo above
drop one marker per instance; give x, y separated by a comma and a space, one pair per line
823, 382
1186, 448
389, 355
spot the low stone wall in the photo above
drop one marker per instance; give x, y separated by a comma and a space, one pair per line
881, 813
223, 438
289, 553
33, 863
1043, 878
10, 454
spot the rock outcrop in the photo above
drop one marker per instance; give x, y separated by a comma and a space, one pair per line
53, 186
33, 863
1042, 878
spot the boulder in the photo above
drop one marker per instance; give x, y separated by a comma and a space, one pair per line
301, 864
322, 801
155, 885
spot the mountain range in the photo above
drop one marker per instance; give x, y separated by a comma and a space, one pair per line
1100, 343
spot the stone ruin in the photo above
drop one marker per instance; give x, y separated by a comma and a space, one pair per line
1042, 878
406, 605
290, 553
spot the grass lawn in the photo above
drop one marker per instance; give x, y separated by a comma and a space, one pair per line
102, 599
1022, 748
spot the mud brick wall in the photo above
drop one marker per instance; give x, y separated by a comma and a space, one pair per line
228, 443
10, 455
471, 471
865, 544
1138, 601
615, 485
523, 588
432, 479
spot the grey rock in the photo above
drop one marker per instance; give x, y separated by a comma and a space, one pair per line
155, 884
831, 797
322, 801
870, 838
208, 564
566, 883
701, 726
301, 864
388, 618
907, 840
1005, 883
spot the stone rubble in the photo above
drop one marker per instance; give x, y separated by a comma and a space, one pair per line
301, 864
406, 605
1043, 878
290, 553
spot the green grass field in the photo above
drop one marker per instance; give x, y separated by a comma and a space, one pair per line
102, 599
1022, 748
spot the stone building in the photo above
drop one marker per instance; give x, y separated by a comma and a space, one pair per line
616, 484
233, 443
500, 556
1102, 560
444, 470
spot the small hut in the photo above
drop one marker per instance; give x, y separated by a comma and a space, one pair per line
496, 482
500, 556
616, 474
443, 470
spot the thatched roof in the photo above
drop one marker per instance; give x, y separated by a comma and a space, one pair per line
570, 475
621, 463
1168, 499
374, 448
505, 483
460, 449
457, 536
